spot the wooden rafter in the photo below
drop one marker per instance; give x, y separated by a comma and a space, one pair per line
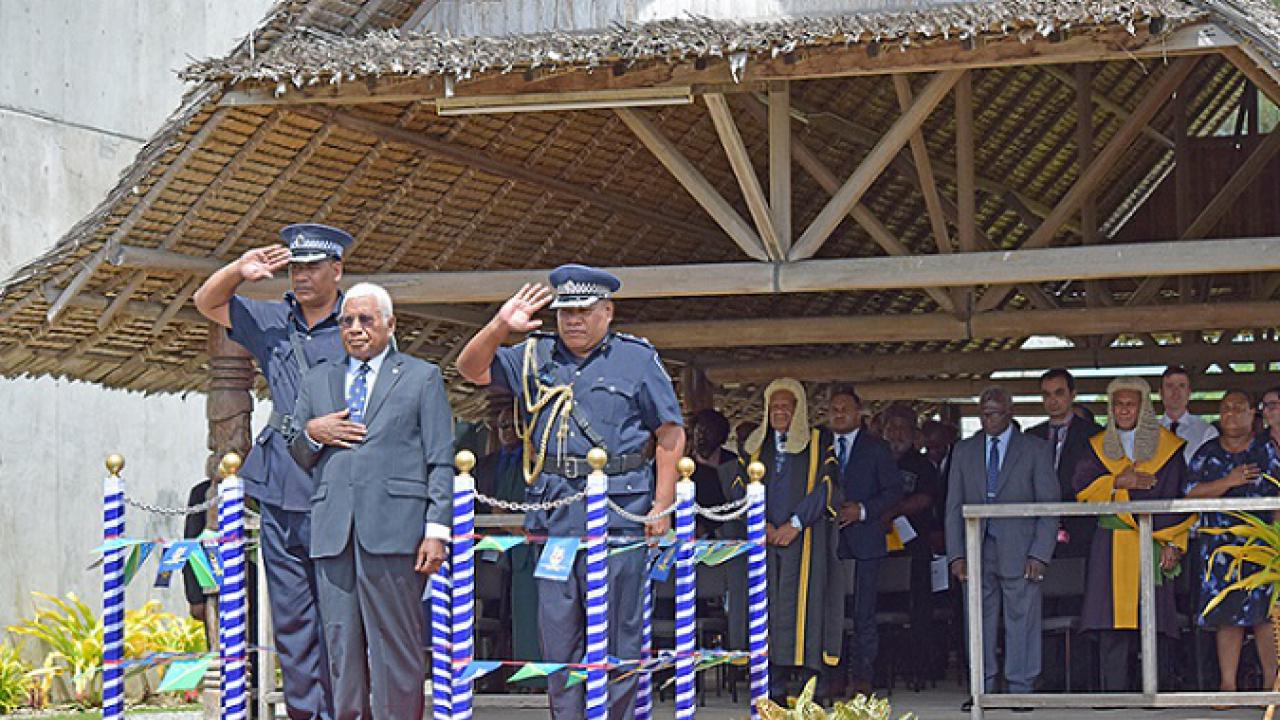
923, 327
1104, 161
843, 200
748, 181
780, 141
924, 170
966, 196
817, 169
1072, 80
695, 183
469, 157
1096, 262
855, 367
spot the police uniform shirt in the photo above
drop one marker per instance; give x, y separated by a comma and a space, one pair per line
621, 388
263, 327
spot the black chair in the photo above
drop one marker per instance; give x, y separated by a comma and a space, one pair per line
893, 616
493, 621
1063, 593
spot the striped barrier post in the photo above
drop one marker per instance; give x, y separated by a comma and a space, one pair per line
597, 605
463, 574
686, 595
757, 590
232, 615
113, 592
441, 661
644, 683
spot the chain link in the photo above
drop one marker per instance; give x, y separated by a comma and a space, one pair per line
724, 513
175, 512
641, 519
529, 507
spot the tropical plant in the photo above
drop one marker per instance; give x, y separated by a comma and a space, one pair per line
15, 679
860, 707
72, 633
149, 629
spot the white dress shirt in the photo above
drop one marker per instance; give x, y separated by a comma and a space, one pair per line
1192, 428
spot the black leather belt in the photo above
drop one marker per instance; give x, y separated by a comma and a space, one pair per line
575, 467
284, 424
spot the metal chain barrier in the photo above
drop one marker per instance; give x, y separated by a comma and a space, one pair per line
529, 507
641, 519
159, 510
724, 513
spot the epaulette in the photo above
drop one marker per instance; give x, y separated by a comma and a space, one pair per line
635, 339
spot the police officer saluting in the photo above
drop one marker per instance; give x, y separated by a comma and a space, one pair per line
578, 388
287, 337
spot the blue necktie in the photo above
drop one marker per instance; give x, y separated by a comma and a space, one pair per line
842, 452
993, 469
358, 393
780, 459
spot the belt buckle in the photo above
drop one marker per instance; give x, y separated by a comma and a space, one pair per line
570, 467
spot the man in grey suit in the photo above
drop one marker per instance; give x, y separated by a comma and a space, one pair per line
379, 441
1001, 464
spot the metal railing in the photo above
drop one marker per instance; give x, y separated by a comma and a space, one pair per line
1150, 696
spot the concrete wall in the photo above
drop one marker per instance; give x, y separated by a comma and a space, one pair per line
504, 17
85, 82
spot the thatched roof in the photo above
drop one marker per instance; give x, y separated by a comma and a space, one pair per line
428, 193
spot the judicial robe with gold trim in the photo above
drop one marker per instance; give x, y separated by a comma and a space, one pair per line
806, 579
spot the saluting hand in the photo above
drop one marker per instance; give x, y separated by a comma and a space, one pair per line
518, 312
262, 263
335, 429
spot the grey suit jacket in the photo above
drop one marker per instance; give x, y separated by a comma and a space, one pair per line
1026, 476
400, 478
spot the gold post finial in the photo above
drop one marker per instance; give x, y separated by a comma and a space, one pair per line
686, 467
115, 463
230, 464
597, 458
756, 471
465, 460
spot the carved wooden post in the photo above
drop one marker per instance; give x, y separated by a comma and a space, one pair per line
228, 409
698, 392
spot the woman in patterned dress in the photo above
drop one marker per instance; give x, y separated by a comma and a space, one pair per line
1232, 465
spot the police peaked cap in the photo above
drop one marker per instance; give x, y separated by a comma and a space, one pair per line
311, 242
580, 286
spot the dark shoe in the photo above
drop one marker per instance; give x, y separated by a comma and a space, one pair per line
966, 706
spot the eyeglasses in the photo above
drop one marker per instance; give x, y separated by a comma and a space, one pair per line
349, 321
1270, 405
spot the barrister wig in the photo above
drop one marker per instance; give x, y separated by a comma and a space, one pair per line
798, 433
1146, 433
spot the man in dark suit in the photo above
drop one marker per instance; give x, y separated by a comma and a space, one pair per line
1068, 435
378, 439
999, 464
869, 486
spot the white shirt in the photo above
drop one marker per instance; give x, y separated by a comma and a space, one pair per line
849, 438
1192, 428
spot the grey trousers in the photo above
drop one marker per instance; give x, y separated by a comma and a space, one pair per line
1017, 602
295, 615
562, 631
373, 628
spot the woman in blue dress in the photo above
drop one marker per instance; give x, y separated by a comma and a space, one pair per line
1232, 465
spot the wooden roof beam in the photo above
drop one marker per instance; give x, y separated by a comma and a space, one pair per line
479, 160
695, 183
1095, 262
780, 157
1092, 176
873, 165
860, 367
740, 161
924, 170
924, 327
818, 170
1101, 100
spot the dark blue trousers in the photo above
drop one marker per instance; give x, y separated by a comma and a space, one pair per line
295, 616
866, 639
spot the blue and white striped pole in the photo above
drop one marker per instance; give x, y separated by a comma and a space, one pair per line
463, 573
644, 683
441, 661
686, 595
232, 601
597, 606
113, 592
757, 590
